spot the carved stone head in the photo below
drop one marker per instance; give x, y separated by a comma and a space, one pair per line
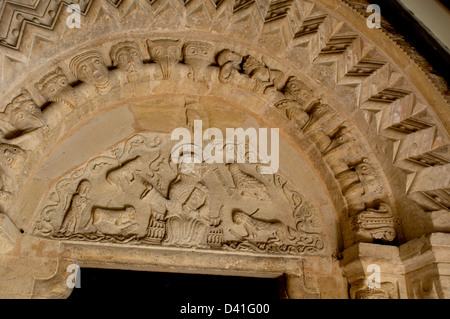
191, 169
297, 90
24, 114
52, 83
166, 53
341, 137
238, 217
198, 50
90, 68
84, 188
198, 55
11, 156
251, 64
128, 57
226, 56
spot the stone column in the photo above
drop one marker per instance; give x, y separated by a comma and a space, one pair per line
374, 272
426, 261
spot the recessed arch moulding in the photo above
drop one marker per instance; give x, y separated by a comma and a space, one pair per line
87, 175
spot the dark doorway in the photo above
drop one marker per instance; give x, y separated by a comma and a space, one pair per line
111, 283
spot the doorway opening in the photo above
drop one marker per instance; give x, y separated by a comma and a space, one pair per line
113, 283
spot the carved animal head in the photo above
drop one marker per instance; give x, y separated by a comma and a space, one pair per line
24, 114
360, 290
317, 112
198, 50
191, 169
131, 212
226, 56
165, 48
297, 90
25, 102
90, 68
11, 156
127, 56
84, 188
166, 53
342, 137
52, 83
251, 65
239, 217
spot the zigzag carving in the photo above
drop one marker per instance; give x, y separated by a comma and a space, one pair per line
401, 115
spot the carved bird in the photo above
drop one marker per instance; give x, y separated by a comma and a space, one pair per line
246, 184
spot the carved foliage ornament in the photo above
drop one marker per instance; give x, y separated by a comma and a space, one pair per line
136, 194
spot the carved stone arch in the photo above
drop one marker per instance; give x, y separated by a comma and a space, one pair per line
359, 134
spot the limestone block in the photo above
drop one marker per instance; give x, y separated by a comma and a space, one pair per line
8, 234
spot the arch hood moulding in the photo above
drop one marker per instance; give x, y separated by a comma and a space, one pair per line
86, 174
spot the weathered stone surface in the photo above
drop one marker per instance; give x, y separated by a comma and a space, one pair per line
87, 173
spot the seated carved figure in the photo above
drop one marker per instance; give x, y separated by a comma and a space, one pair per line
89, 67
128, 57
22, 123
186, 210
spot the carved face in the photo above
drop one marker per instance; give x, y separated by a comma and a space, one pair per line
84, 188
191, 169
161, 50
229, 56
11, 156
250, 64
92, 70
238, 218
54, 86
24, 114
52, 83
166, 53
298, 89
129, 59
198, 50
24, 120
131, 213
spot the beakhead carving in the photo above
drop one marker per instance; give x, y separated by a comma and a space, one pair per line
166, 53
